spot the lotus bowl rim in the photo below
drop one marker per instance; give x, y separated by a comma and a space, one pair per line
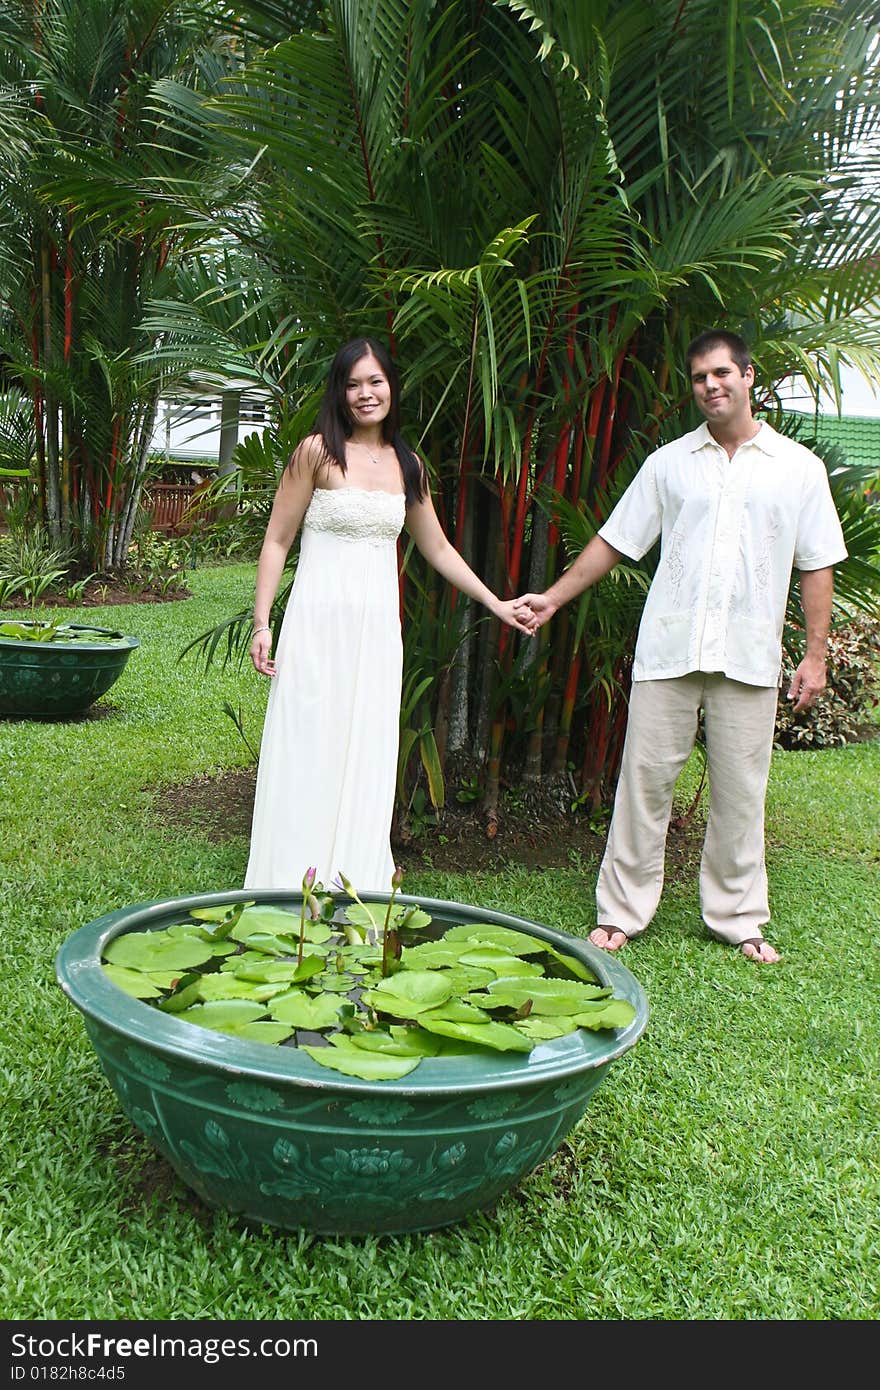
81, 977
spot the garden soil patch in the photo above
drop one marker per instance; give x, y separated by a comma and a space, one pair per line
221, 808
106, 590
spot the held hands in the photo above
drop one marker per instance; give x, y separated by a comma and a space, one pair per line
534, 609
261, 646
512, 612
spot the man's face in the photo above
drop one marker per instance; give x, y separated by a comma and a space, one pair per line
721, 390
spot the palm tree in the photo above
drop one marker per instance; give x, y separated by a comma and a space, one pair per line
85, 242
538, 205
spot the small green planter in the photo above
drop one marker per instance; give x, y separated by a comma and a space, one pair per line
267, 1133
53, 680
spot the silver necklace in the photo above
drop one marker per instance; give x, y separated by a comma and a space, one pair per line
370, 455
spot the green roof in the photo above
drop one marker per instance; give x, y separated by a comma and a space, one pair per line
857, 436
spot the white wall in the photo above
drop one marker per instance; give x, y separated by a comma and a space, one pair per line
191, 430
858, 396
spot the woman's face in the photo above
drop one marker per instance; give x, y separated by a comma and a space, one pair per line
367, 392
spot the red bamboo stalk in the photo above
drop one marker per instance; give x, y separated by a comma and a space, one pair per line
566, 714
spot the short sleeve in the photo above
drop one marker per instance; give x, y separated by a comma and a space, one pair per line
636, 522
819, 541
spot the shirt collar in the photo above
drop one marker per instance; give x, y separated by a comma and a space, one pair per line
765, 439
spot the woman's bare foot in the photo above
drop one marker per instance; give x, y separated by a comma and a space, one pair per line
608, 938
756, 948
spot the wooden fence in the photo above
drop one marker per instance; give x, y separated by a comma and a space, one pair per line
168, 506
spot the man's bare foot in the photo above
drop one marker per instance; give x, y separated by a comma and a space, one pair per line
756, 948
608, 938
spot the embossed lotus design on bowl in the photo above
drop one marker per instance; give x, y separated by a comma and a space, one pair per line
267, 1133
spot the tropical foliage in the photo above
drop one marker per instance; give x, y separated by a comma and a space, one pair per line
536, 205
86, 240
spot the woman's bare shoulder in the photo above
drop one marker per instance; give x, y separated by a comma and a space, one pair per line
309, 457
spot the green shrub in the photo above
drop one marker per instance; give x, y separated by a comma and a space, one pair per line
157, 562
31, 563
852, 694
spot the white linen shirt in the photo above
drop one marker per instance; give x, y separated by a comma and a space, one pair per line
731, 530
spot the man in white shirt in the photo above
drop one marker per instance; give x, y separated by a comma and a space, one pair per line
736, 508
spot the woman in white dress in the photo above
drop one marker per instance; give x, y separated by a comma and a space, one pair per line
328, 758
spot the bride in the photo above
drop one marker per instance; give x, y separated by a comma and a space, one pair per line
328, 758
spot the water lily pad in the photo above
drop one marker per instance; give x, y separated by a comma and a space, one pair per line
216, 914
463, 978
351, 969
617, 1013
399, 1042
267, 944
133, 982
515, 943
183, 998
165, 979
543, 1029
263, 1032
304, 1010
499, 1037
218, 938
373, 915
224, 987
573, 965
334, 983
263, 993
276, 920
367, 916
409, 992
354, 964
501, 962
155, 950
263, 971
235, 971
446, 955
247, 957
430, 955
309, 965
356, 1061
223, 1014
548, 996
262, 924
459, 1011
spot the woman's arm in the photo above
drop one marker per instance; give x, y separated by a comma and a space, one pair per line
288, 509
425, 529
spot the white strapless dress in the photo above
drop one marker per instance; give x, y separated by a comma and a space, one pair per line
328, 757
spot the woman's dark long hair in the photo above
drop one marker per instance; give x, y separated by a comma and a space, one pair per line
335, 424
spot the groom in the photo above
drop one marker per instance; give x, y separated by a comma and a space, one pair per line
736, 507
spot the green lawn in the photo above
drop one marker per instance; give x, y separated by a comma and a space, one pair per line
728, 1167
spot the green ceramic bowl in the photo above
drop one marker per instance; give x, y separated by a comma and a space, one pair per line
45, 680
266, 1132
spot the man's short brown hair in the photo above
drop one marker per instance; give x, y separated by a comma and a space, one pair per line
720, 337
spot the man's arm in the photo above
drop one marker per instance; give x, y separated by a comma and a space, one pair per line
596, 559
817, 592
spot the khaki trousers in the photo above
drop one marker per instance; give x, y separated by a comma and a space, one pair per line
662, 726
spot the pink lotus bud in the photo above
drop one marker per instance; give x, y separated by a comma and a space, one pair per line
309, 879
397, 877
346, 883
